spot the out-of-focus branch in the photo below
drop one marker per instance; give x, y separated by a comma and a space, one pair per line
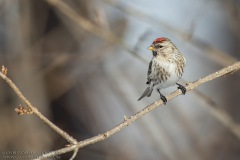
89, 26
154, 105
3, 75
234, 15
220, 114
213, 53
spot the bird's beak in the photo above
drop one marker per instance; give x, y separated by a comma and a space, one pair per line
151, 48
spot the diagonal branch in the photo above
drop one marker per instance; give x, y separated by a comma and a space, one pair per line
214, 53
127, 121
109, 36
35, 110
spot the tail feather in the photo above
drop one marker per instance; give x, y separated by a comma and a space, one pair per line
147, 92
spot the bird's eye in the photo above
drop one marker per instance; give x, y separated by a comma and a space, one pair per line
159, 46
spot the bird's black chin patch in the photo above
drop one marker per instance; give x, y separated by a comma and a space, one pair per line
154, 53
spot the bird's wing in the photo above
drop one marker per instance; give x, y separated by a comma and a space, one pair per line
149, 89
149, 72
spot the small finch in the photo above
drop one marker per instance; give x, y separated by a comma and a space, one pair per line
165, 68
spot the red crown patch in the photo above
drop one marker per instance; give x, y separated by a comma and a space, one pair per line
159, 40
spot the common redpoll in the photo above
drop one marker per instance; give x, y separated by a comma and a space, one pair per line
165, 68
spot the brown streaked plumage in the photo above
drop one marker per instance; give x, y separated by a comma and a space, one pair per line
165, 68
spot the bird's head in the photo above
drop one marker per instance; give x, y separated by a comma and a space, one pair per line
159, 44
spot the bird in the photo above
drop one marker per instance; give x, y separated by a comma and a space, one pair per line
165, 69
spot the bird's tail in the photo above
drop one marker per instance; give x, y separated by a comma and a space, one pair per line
147, 92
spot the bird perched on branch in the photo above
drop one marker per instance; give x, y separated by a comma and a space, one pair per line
165, 68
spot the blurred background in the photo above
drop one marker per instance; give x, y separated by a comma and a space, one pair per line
84, 64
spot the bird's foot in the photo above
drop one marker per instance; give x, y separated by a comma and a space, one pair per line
182, 88
163, 98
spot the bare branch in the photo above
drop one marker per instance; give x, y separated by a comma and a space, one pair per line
35, 110
74, 154
127, 121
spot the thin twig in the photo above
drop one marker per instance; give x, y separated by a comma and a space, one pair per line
154, 105
74, 154
94, 139
35, 110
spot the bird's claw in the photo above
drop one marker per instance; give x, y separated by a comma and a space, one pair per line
182, 88
164, 99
